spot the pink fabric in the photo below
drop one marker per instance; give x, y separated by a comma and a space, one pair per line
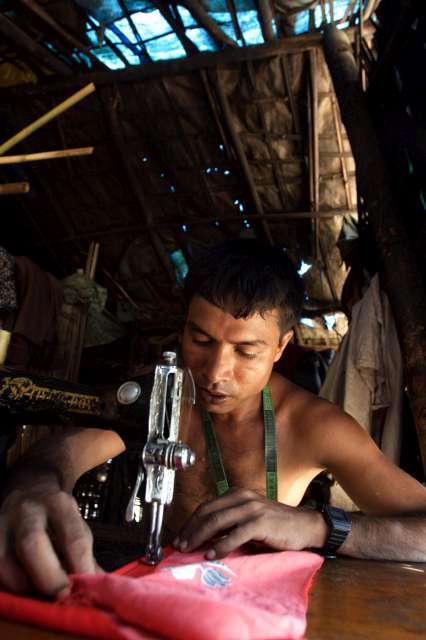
243, 597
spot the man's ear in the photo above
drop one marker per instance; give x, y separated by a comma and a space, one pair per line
284, 340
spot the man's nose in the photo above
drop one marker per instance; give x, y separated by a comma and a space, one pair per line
218, 365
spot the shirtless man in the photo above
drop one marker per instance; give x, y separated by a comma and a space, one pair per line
243, 300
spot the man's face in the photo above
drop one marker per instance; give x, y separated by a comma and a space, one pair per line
231, 360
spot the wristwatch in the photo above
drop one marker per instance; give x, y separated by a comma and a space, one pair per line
340, 526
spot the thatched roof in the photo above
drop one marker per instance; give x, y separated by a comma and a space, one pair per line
209, 119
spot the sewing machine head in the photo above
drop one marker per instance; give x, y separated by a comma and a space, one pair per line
172, 396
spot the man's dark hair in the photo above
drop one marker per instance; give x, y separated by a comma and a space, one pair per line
244, 277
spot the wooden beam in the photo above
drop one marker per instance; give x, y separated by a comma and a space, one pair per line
47, 117
37, 10
342, 154
400, 275
314, 166
47, 155
230, 56
234, 14
12, 33
14, 188
278, 216
201, 16
241, 155
266, 19
176, 25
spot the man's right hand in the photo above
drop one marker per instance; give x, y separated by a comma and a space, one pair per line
42, 538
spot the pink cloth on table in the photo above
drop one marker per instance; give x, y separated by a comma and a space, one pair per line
242, 597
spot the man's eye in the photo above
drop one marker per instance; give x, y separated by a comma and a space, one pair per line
202, 341
249, 356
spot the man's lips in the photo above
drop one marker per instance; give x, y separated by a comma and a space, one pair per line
213, 396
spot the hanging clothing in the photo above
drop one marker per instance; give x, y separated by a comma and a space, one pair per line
102, 327
245, 596
8, 299
33, 324
365, 377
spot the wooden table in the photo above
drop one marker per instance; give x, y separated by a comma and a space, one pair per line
349, 600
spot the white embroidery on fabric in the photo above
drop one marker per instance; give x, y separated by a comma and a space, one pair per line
213, 574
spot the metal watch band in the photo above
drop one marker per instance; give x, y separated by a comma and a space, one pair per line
340, 526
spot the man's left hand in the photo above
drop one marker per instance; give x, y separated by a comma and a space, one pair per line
241, 516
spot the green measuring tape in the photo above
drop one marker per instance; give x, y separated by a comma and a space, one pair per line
270, 449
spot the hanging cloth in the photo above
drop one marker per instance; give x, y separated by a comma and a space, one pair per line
270, 439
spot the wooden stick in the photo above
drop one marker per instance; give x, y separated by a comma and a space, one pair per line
14, 188
266, 19
339, 136
47, 155
47, 117
204, 20
47, 18
10, 32
314, 147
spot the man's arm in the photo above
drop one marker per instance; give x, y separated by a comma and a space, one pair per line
392, 526
42, 535
242, 516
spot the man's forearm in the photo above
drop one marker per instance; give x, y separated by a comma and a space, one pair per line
47, 462
60, 459
400, 538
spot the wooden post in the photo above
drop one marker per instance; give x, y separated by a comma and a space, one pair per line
400, 274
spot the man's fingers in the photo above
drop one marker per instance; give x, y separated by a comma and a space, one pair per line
234, 498
217, 522
243, 533
72, 537
12, 576
36, 554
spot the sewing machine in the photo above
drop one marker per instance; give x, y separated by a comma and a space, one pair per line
166, 396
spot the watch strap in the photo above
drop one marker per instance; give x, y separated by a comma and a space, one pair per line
340, 526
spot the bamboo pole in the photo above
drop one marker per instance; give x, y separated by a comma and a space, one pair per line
47, 117
47, 155
14, 188
400, 274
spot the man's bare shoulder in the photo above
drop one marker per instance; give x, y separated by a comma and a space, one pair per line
308, 416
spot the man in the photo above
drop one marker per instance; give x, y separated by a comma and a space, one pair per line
243, 300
